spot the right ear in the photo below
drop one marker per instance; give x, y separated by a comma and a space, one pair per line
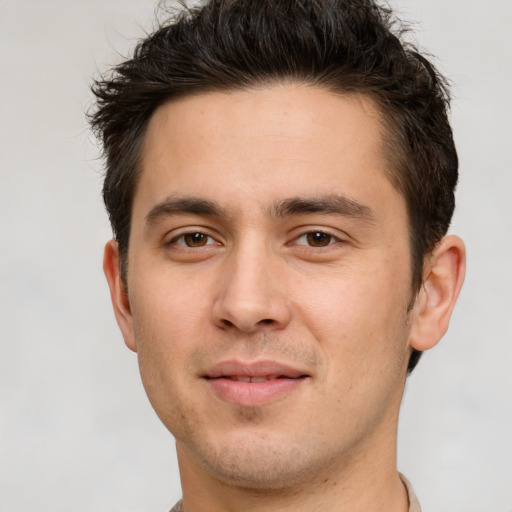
119, 293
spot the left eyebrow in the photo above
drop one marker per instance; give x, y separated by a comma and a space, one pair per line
330, 204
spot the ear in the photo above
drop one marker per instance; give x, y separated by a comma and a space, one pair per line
443, 277
118, 293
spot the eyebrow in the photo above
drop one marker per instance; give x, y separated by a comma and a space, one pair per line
173, 205
330, 204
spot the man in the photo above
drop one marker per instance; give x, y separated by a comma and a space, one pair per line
280, 179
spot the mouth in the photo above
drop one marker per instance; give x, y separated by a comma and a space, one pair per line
266, 370
254, 384
245, 378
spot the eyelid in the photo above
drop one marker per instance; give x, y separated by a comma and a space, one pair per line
210, 240
176, 234
334, 239
337, 236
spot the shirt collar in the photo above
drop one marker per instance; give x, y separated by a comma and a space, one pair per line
414, 504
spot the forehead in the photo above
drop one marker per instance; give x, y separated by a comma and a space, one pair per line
260, 145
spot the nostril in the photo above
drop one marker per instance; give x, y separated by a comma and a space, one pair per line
265, 321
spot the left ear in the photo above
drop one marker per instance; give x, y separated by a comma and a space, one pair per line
443, 277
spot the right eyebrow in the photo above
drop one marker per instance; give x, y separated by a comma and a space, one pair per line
174, 205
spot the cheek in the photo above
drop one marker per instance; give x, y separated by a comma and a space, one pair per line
357, 316
168, 304
362, 337
169, 317
162, 330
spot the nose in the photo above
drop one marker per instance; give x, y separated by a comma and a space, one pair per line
252, 294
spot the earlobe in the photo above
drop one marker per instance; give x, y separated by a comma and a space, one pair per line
118, 293
443, 277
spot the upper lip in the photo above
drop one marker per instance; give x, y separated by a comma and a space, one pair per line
265, 368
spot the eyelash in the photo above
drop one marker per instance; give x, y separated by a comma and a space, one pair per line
209, 240
307, 238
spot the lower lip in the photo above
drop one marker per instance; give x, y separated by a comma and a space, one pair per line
251, 394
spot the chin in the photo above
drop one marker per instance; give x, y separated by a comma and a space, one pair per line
262, 467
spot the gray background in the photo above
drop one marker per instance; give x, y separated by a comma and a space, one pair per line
76, 431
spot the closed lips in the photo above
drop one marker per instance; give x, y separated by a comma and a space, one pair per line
261, 370
244, 378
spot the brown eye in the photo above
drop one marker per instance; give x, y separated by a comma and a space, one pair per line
195, 239
318, 239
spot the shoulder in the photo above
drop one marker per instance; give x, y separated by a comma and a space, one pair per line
178, 507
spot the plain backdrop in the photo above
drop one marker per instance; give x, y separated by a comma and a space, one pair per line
76, 430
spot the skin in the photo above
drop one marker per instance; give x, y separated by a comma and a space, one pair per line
257, 284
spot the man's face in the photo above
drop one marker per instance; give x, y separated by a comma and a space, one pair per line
269, 281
